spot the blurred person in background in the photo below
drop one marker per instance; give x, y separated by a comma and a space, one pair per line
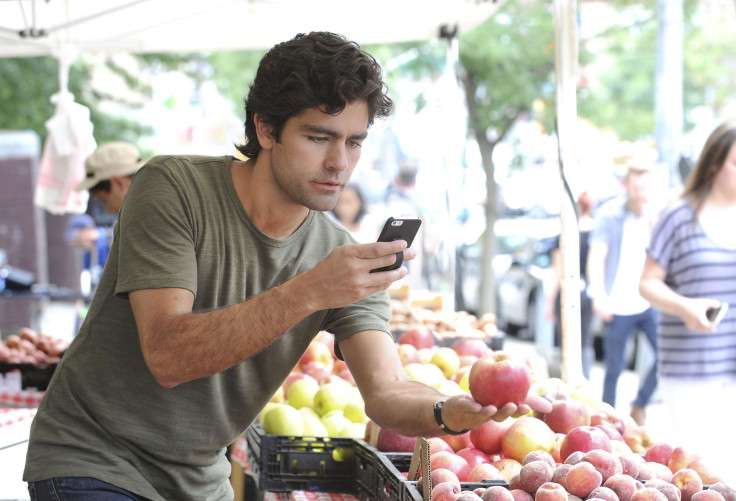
615, 259
110, 170
351, 211
553, 301
690, 268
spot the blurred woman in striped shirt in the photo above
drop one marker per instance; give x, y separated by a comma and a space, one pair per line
691, 268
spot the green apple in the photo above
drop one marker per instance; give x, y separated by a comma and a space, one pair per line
335, 421
308, 412
313, 427
283, 419
355, 412
447, 360
450, 388
352, 430
301, 392
330, 397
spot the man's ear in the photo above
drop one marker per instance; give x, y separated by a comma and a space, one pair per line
264, 131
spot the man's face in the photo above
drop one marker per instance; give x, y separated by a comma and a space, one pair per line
112, 200
317, 153
637, 189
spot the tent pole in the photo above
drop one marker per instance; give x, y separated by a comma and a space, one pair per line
566, 66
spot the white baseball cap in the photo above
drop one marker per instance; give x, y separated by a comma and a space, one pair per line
117, 158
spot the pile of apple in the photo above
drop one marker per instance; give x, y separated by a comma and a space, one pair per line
318, 399
444, 324
30, 347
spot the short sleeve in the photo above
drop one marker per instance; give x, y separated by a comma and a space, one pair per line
156, 237
662, 243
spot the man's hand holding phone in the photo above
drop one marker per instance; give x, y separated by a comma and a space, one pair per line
398, 229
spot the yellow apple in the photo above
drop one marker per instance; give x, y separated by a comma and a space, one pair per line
313, 427
283, 419
334, 422
355, 412
352, 430
447, 360
301, 392
330, 397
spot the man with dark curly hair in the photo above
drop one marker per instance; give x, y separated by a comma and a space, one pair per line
221, 273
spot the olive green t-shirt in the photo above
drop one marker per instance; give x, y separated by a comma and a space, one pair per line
104, 415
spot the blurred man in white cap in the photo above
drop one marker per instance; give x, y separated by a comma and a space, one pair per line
110, 169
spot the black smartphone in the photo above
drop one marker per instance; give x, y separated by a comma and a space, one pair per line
715, 315
398, 229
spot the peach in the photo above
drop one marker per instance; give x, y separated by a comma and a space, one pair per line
514, 482
648, 494
707, 495
582, 479
727, 491
497, 493
534, 474
521, 495
550, 491
703, 468
468, 496
623, 485
680, 458
539, 456
440, 475
660, 453
671, 492
604, 462
446, 491
651, 470
688, 481
575, 457
560, 474
630, 463
604, 494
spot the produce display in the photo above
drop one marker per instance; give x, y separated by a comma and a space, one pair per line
30, 347
582, 450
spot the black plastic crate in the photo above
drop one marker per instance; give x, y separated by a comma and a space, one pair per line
365, 457
391, 485
31, 376
284, 463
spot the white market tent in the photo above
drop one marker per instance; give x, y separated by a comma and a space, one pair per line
64, 28
40, 27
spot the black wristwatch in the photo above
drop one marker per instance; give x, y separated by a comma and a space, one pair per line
438, 417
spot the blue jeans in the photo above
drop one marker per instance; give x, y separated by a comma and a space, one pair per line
78, 489
614, 344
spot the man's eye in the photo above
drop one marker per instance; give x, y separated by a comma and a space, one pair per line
354, 144
317, 139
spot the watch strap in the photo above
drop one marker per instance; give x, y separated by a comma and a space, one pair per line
438, 417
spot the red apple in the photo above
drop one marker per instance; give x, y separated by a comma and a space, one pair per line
489, 435
470, 346
610, 417
499, 379
566, 415
317, 351
440, 475
456, 464
584, 439
388, 441
436, 444
484, 471
508, 467
458, 442
408, 354
525, 435
474, 456
419, 337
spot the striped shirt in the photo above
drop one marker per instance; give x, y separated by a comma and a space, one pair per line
698, 268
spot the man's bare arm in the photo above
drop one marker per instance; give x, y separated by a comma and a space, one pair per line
180, 346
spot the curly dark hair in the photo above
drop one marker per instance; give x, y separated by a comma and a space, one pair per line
316, 70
